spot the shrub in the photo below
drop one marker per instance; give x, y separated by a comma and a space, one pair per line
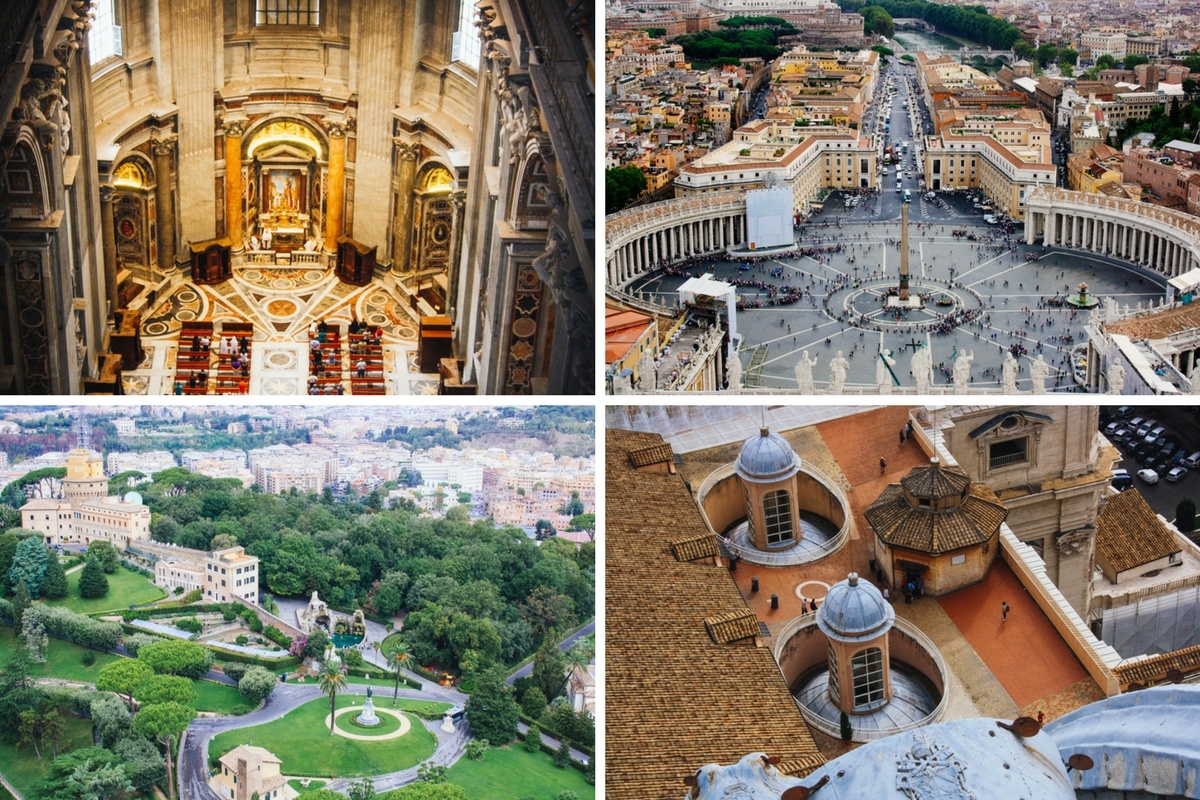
178, 590
533, 738
193, 596
241, 640
257, 684
277, 636
476, 748
79, 628
562, 756
351, 658
235, 671
175, 657
567, 794
229, 614
89, 657
190, 624
846, 729
135, 641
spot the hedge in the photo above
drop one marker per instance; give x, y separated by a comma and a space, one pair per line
553, 751
551, 732
277, 636
79, 628
243, 658
171, 611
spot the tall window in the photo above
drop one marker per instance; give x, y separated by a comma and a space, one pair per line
466, 39
777, 517
105, 38
834, 691
1014, 451
867, 669
288, 12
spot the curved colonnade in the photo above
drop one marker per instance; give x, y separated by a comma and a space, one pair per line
638, 240
1165, 241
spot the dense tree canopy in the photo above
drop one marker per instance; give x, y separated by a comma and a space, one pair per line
491, 710
622, 185
877, 21
92, 581
177, 657
29, 564
969, 22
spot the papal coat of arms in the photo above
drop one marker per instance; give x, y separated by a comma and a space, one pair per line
931, 771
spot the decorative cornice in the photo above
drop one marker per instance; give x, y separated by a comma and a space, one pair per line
235, 127
406, 150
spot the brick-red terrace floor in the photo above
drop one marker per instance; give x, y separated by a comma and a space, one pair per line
1026, 653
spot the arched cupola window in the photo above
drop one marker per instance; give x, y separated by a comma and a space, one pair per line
777, 517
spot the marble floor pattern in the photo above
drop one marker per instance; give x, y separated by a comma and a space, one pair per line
281, 304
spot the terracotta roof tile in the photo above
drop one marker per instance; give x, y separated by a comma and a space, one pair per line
1129, 533
973, 520
1153, 669
732, 626
654, 454
1158, 324
693, 548
675, 700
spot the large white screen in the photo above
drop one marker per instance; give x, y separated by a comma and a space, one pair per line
769, 217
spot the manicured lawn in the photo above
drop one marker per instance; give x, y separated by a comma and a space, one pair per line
510, 773
125, 588
302, 742
22, 767
63, 659
220, 698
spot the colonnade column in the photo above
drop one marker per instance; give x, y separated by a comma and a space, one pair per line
108, 238
406, 170
164, 200
335, 190
233, 182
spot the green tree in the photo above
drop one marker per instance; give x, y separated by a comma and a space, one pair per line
1185, 515
1023, 49
8, 548
92, 581
123, 676
332, 680
846, 729
389, 595
533, 737
622, 185
397, 660
549, 668
425, 791
29, 565
104, 553
162, 722
316, 643
562, 756
165, 689
361, 790
491, 710
533, 702
176, 657
54, 584
1132, 61
21, 601
223, 541
257, 684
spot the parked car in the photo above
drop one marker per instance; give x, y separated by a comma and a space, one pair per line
1123, 411
1112, 428
1168, 449
1176, 473
1142, 452
1121, 480
1122, 435
1155, 432
1148, 475
1192, 461
1146, 427
1135, 423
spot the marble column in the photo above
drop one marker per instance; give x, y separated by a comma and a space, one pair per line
234, 223
407, 154
335, 189
458, 202
164, 200
108, 237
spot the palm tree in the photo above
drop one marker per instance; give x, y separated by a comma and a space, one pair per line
331, 679
396, 660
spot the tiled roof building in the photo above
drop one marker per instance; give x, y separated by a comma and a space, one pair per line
713, 695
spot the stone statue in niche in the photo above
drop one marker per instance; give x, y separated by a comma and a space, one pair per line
33, 94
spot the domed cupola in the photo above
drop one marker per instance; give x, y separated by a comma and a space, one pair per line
855, 611
767, 458
856, 619
768, 467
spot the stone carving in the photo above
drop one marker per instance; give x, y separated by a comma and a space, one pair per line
753, 776
931, 771
962, 371
235, 127
1116, 377
1009, 373
837, 373
107, 193
336, 128
922, 369
804, 373
620, 384
164, 145
1070, 544
407, 151
1038, 371
36, 98
733, 372
883, 375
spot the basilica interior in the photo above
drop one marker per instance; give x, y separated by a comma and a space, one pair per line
297, 197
